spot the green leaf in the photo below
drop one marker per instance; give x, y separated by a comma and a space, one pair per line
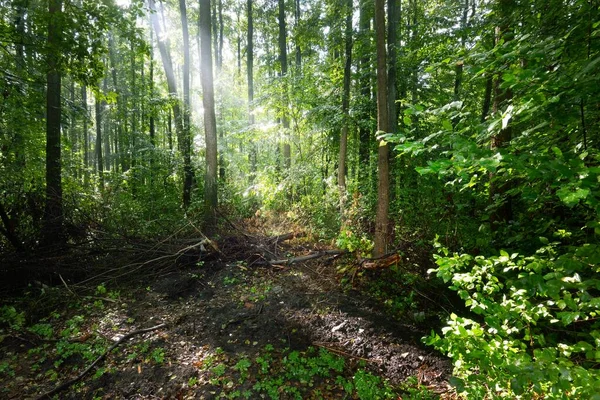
572, 197
407, 120
447, 125
557, 151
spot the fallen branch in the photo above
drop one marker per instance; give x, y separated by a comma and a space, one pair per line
328, 347
286, 236
307, 257
67, 384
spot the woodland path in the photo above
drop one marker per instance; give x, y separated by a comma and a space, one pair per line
228, 314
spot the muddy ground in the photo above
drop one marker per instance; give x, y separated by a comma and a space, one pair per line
222, 311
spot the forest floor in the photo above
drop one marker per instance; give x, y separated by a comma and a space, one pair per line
235, 327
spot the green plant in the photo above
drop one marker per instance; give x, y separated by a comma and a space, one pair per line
6, 369
192, 381
158, 355
242, 367
369, 386
230, 280
11, 317
535, 329
218, 370
412, 390
44, 330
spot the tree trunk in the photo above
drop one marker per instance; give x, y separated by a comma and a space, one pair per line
364, 82
171, 82
250, 71
297, 41
283, 61
99, 107
392, 48
188, 176
53, 228
210, 123
86, 144
345, 105
383, 186
221, 28
502, 212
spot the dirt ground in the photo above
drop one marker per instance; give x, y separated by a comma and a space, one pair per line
222, 310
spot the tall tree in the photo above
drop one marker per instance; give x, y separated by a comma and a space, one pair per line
170, 75
250, 72
210, 123
99, 108
187, 150
365, 102
383, 183
502, 211
345, 103
53, 216
285, 119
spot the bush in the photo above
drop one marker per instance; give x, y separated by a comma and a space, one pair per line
534, 331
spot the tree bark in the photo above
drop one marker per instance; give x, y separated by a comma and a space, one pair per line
250, 71
99, 108
283, 61
53, 228
210, 123
345, 105
86, 144
502, 211
188, 176
171, 82
383, 184
365, 84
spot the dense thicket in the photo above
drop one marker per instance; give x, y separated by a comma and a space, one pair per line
486, 113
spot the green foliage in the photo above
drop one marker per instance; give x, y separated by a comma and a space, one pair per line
369, 386
535, 329
10, 317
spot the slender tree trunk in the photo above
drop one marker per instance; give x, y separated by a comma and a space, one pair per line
285, 119
250, 71
345, 105
221, 28
383, 186
210, 123
120, 151
364, 82
98, 149
171, 82
187, 163
392, 48
502, 212
86, 144
53, 228
297, 41
106, 136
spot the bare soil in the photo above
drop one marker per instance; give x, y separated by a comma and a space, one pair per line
222, 309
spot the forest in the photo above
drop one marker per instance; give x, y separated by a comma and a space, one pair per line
289, 199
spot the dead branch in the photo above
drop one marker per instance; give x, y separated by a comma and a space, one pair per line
67, 384
289, 261
285, 236
381, 262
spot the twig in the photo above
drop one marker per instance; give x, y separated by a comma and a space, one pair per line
334, 350
67, 384
66, 286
